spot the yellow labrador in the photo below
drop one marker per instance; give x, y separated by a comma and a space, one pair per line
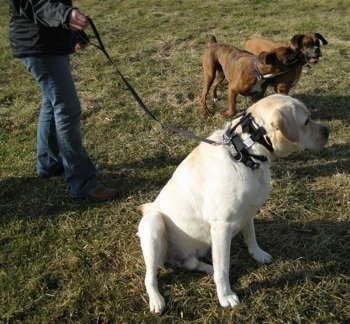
217, 190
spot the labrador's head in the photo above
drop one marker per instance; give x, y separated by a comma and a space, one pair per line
288, 125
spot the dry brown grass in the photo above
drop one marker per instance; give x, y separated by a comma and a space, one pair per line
73, 261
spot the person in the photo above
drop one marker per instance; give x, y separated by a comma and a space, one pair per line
43, 34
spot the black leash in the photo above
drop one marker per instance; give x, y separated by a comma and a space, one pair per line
231, 140
135, 94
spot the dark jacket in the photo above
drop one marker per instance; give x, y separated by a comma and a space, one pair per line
40, 27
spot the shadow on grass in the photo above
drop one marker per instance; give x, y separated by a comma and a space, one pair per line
309, 257
326, 107
329, 161
33, 197
322, 107
306, 257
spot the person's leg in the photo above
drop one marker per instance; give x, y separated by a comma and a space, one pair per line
56, 82
49, 162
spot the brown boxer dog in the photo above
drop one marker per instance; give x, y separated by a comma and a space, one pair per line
308, 44
247, 74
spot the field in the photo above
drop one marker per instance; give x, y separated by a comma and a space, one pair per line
69, 261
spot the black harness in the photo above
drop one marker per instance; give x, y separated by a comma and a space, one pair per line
239, 148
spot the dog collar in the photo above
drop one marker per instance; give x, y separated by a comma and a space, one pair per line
239, 148
259, 76
256, 70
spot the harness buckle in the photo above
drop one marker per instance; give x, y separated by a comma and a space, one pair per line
253, 165
248, 142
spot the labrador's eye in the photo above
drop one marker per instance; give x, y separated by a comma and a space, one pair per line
307, 121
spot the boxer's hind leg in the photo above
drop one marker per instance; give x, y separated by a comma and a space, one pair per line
208, 79
220, 76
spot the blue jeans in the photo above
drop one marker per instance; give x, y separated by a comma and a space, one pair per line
59, 142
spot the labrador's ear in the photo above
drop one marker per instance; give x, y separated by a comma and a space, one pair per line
287, 126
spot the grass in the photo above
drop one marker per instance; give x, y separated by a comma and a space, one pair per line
65, 261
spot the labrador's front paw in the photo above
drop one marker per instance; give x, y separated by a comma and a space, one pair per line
261, 256
156, 304
229, 300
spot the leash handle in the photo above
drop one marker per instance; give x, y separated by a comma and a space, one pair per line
102, 48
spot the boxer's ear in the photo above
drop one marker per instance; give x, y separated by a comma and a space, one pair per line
269, 58
319, 36
297, 42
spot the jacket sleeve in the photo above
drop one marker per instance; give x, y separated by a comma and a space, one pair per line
46, 13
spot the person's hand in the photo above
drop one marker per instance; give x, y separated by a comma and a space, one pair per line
80, 46
77, 20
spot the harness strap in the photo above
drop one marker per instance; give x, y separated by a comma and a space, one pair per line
257, 133
239, 148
